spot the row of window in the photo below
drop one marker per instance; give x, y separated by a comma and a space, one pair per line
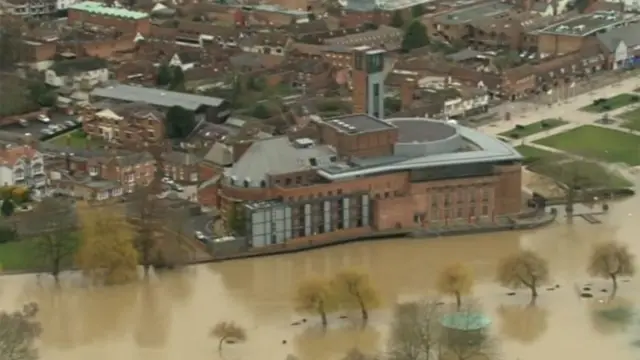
450, 213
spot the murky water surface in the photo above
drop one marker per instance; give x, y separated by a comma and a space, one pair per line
170, 316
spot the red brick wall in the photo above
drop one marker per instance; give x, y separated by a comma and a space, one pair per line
143, 26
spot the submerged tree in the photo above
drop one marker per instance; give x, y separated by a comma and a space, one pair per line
225, 330
415, 331
18, 334
455, 280
354, 289
610, 260
57, 244
107, 252
315, 296
523, 269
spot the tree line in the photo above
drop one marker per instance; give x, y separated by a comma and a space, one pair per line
107, 242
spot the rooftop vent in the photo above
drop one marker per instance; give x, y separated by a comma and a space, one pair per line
313, 161
303, 143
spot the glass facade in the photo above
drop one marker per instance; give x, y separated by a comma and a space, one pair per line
451, 172
276, 223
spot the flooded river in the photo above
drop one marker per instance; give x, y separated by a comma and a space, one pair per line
170, 316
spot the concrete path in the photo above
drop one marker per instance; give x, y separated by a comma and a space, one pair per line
570, 111
567, 110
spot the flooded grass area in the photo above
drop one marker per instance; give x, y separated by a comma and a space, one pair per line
596, 142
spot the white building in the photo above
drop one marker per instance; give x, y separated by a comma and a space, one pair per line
22, 166
28, 8
82, 73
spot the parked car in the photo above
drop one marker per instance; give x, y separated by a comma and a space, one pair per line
200, 236
54, 128
23, 122
177, 187
70, 123
167, 180
46, 132
44, 118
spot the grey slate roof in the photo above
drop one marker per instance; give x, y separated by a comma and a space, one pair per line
219, 154
276, 156
630, 35
157, 97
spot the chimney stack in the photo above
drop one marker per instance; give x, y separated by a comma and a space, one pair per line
407, 90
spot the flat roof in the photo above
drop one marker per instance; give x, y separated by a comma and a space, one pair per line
359, 123
157, 97
491, 149
585, 25
468, 14
416, 131
102, 9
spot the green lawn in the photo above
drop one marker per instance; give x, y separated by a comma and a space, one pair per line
17, 256
612, 103
20, 255
531, 153
597, 142
585, 174
631, 119
76, 139
534, 128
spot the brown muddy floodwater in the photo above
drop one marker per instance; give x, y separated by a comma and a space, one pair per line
170, 316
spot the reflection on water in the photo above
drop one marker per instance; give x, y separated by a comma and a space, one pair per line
525, 323
612, 316
314, 343
169, 316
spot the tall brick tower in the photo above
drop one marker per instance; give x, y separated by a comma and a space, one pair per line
367, 78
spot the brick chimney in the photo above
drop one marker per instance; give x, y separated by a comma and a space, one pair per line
407, 90
239, 148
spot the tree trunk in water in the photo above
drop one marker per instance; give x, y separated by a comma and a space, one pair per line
323, 317
220, 344
614, 281
534, 294
363, 310
458, 301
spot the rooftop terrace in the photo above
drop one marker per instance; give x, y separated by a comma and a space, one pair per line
585, 25
468, 14
102, 9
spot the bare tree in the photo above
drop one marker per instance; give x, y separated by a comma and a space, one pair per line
610, 260
18, 333
523, 269
469, 340
56, 245
415, 331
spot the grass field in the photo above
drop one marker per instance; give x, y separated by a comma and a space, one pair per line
612, 103
631, 119
21, 255
599, 143
562, 169
581, 173
77, 139
534, 128
17, 255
